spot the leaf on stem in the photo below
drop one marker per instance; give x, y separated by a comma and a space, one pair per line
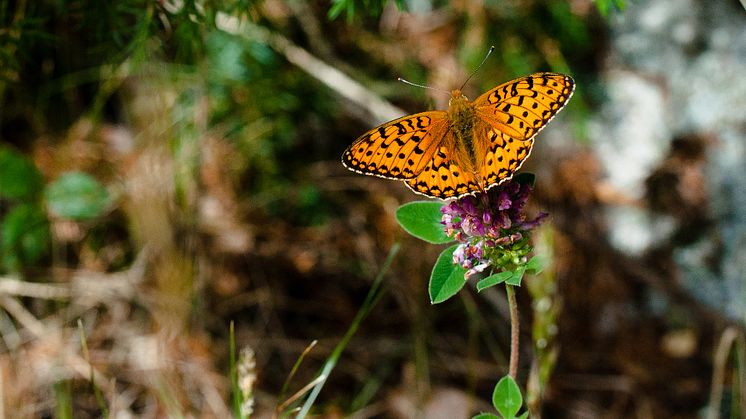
507, 397
446, 278
535, 265
493, 280
77, 196
422, 220
516, 277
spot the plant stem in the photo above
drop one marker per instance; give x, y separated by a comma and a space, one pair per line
514, 331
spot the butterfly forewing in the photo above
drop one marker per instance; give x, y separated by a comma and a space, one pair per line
399, 149
522, 107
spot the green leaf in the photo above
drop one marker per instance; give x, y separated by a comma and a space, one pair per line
24, 236
77, 196
446, 279
525, 178
19, 178
507, 397
535, 265
523, 415
485, 416
422, 220
603, 7
517, 276
493, 280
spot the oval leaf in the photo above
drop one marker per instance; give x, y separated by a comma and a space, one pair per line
422, 220
24, 236
516, 276
485, 416
19, 178
507, 397
446, 279
535, 265
493, 280
77, 196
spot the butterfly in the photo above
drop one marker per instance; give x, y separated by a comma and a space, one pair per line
468, 148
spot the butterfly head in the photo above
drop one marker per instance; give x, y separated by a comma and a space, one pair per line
457, 98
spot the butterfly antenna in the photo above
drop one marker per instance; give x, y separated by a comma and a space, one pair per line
492, 48
420, 85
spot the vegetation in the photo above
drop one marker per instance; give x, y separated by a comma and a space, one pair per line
179, 239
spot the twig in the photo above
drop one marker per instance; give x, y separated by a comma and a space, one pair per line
16, 287
380, 109
38, 330
298, 394
24, 317
727, 341
290, 376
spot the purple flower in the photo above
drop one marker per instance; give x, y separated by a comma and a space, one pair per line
470, 256
503, 201
472, 227
492, 227
529, 225
477, 269
468, 205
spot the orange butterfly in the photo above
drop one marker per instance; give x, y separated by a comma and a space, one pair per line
470, 147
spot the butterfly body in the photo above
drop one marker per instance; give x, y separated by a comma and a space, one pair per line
469, 148
462, 118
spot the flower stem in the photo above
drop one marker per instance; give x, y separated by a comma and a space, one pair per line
514, 331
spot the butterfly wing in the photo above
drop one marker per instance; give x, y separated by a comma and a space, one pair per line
443, 178
509, 117
522, 107
399, 149
504, 157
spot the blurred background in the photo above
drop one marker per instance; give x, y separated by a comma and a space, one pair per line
168, 168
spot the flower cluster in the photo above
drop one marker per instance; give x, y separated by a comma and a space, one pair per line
491, 227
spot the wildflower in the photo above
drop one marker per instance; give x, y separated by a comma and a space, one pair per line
246, 377
492, 228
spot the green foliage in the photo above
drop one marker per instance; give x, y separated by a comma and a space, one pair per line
546, 309
511, 277
422, 220
605, 6
63, 408
24, 230
446, 278
24, 236
494, 279
507, 397
535, 265
507, 400
19, 178
517, 276
77, 196
374, 296
352, 7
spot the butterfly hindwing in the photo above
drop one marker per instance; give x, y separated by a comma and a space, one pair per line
442, 178
522, 107
399, 149
504, 157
